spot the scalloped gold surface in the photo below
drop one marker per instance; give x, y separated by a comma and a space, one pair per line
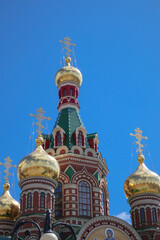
142, 180
38, 163
68, 73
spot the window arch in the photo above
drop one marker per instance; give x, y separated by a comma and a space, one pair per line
58, 200
154, 215
84, 199
142, 215
42, 200
58, 138
80, 138
29, 200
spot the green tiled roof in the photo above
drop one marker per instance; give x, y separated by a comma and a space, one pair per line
69, 120
91, 135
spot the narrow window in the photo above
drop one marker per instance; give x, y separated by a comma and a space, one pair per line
71, 92
65, 92
58, 139
154, 215
80, 137
58, 200
29, 200
84, 199
42, 200
142, 215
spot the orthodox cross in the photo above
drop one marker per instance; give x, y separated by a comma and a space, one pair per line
7, 165
67, 43
139, 137
40, 117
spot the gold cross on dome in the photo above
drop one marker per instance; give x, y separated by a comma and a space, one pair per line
7, 165
67, 43
40, 117
139, 137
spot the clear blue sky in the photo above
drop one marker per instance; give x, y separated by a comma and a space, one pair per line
118, 53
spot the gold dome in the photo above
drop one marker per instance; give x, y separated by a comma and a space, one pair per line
9, 207
142, 180
68, 74
38, 163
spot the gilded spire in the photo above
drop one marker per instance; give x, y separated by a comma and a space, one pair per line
67, 43
40, 117
139, 137
7, 166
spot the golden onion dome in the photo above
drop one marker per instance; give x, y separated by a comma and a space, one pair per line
68, 74
142, 180
9, 207
38, 163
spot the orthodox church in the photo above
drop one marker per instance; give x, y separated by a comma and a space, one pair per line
66, 174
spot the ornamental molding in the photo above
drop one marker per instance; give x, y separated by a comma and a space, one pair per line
50, 150
90, 150
83, 159
37, 186
78, 148
70, 84
38, 180
144, 203
69, 105
64, 179
143, 196
63, 147
145, 207
115, 222
84, 175
70, 185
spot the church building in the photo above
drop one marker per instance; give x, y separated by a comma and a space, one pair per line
67, 174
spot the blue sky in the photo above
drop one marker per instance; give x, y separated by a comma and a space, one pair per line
118, 54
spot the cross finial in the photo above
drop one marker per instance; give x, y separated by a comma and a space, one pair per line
40, 117
7, 166
139, 137
67, 43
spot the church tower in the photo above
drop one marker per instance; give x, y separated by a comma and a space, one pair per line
9, 207
38, 173
82, 193
142, 189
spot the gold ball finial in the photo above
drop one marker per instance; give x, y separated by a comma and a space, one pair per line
140, 158
68, 60
39, 140
6, 186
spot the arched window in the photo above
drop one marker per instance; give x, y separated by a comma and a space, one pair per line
29, 200
84, 199
58, 200
42, 196
154, 215
65, 92
58, 139
142, 215
71, 92
80, 138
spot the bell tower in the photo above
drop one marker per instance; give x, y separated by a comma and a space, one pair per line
82, 192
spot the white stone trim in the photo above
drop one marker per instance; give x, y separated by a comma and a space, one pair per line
90, 150
78, 148
62, 148
51, 150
